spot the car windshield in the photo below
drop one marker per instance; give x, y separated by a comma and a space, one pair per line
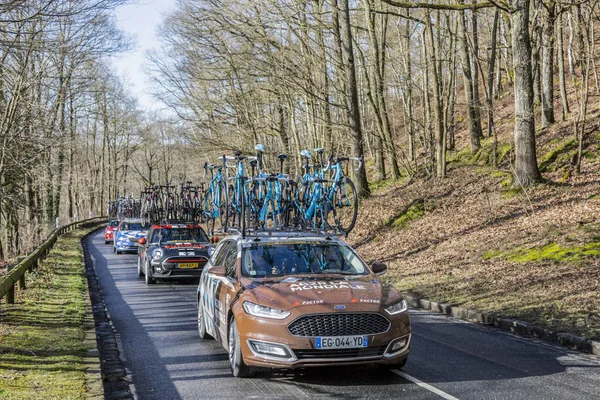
281, 259
113, 223
132, 226
183, 235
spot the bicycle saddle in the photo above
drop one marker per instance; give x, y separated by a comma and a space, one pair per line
209, 166
319, 150
306, 154
282, 157
260, 147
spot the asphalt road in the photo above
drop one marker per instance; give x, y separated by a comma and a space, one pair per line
449, 359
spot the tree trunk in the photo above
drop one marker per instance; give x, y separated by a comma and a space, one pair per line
475, 69
353, 110
561, 70
548, 67
440, 140
526, 168
474, 123
490, 93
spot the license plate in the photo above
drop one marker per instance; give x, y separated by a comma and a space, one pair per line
342, 342
187, 265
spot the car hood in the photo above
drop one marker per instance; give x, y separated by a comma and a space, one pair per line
364, 291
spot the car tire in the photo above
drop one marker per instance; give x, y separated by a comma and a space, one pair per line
201, 326
119, 252
106, 242
239, 369
140, 270
114, 249
147, 278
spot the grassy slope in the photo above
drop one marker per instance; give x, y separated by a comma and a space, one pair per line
471, 239
41, 336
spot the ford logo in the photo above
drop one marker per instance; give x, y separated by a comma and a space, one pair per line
340, 307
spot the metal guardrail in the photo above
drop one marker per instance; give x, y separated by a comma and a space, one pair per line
16, 275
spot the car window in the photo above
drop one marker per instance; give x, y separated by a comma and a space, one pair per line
183, 235
219, 257
113, 223
230, 260
132, 226
265, 260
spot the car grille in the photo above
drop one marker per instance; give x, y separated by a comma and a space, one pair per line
133, 240
176, 259
340, 353
339, 325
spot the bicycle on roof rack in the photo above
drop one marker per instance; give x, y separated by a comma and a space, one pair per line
323, 199
214, 207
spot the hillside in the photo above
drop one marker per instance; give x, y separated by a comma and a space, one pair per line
473, 240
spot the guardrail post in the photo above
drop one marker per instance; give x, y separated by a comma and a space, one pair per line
22, 278
10, 296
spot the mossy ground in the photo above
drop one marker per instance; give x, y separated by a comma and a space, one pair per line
414, 212
531, 254
41, 335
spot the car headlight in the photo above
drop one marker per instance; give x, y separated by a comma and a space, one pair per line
263, 311
397, 308
158, 253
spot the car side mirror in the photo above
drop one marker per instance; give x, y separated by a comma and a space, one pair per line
379, 268
218, 270
142, 241
214, 239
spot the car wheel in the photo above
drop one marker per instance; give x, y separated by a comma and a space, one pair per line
139, 267
148, 279
201, 326
106, 242
239, 369
114, 249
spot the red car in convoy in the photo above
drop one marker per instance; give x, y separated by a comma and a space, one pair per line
109, 231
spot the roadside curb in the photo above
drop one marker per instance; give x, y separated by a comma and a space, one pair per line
93, 376
112, 370
520, 328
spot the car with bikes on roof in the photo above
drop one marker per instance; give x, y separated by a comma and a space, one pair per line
109, 231
172, 251
283, 289
128, 233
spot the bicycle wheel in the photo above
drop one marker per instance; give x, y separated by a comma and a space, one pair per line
253, 205
344, 206
221, 206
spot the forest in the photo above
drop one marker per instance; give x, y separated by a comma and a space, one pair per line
415, 86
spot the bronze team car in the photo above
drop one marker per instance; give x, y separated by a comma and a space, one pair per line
291, 300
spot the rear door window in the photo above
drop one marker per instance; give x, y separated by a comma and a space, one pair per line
220, 253
230, 260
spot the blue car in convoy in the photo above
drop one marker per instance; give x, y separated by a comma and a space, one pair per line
127, 235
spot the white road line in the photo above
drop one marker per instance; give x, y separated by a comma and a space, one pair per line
424, 385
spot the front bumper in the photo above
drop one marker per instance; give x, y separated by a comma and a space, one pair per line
168, 269
126, 246
302, 351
